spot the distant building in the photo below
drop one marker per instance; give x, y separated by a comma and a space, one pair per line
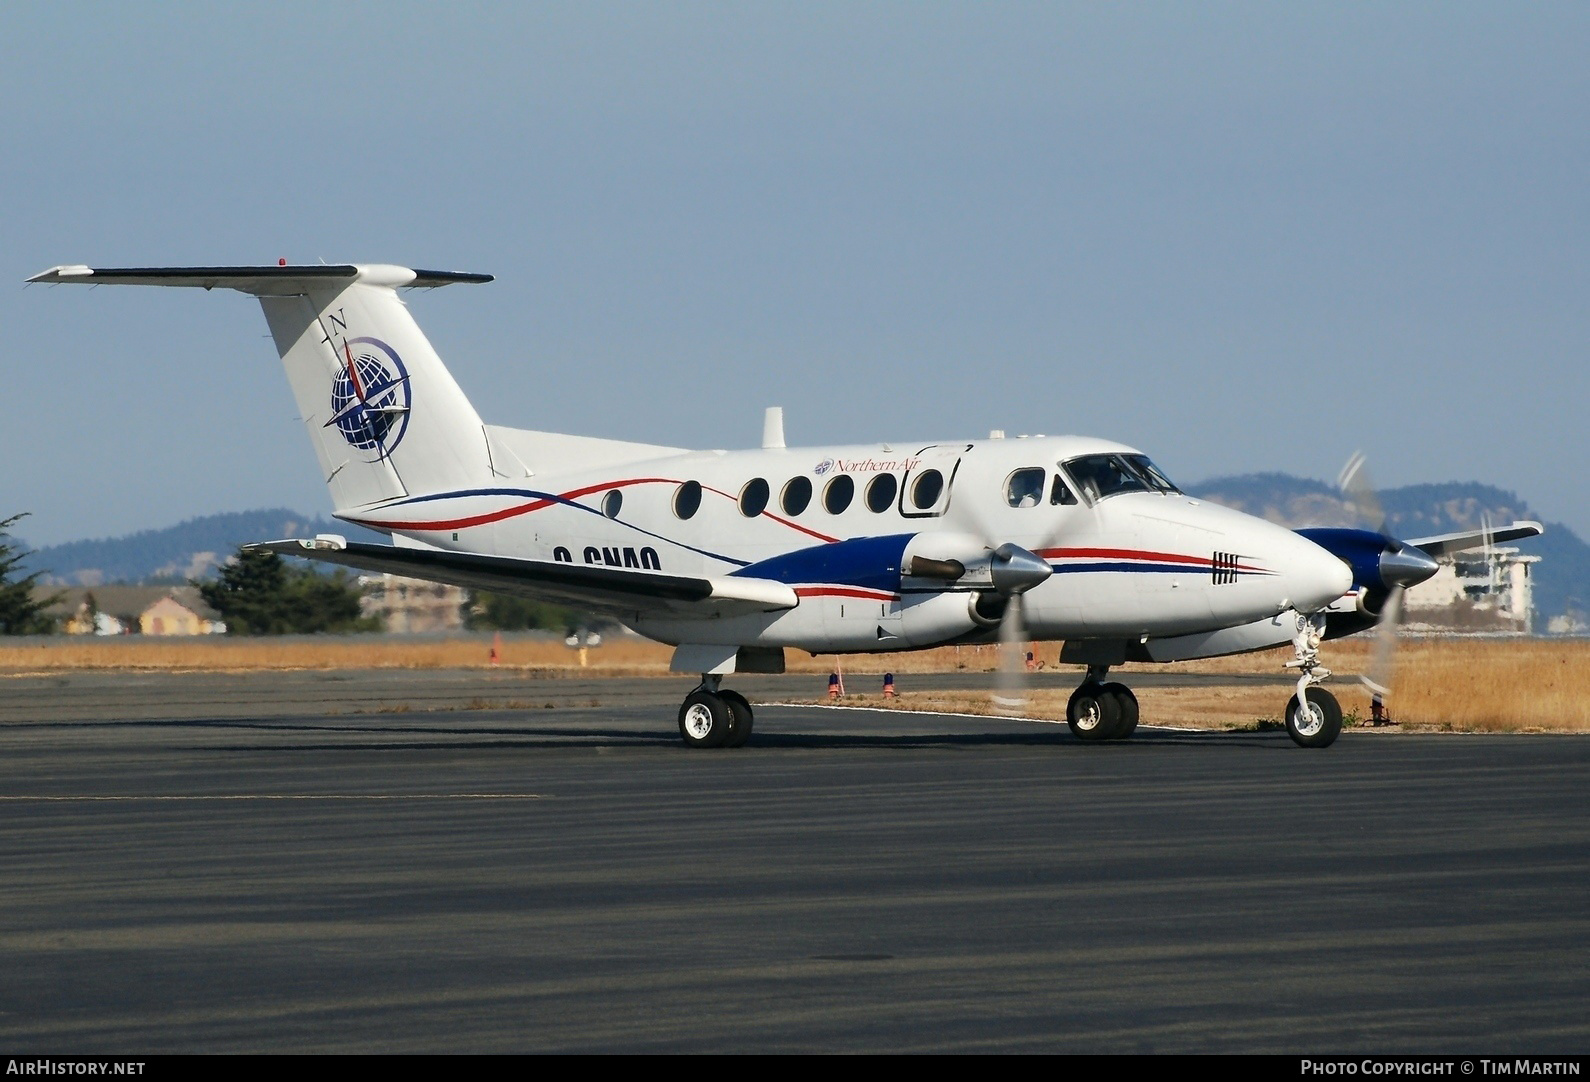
412, 606
1480, 591
147, 610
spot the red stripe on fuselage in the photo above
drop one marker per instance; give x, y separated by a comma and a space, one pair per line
1133, 554
845, 591
572, 494
507, 512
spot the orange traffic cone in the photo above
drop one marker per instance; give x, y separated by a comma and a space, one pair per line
888, 685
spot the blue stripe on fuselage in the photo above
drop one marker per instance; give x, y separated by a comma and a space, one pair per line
869, 562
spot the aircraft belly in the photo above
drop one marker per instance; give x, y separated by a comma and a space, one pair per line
802, 627
853, 623
1123, 603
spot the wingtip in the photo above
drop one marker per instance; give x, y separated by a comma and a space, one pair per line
66, 270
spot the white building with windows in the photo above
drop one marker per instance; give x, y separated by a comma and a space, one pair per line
412, 606
1482, 591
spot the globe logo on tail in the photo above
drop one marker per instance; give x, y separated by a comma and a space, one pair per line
370, 396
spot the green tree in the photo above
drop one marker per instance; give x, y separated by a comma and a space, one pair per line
257, 593
21, 613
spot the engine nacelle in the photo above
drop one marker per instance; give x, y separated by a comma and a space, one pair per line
926, 619
1370, 601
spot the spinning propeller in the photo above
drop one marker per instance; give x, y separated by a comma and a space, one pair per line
1398, 566
1015, 571
1011, 571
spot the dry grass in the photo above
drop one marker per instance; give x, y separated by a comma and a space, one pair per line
221, 654
1455, 684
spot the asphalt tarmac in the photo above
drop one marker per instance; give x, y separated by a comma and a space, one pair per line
443, 862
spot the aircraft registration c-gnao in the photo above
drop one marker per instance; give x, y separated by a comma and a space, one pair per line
734, 556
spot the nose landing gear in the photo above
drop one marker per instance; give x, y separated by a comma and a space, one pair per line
1313, 716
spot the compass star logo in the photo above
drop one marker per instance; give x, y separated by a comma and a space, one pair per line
370, 396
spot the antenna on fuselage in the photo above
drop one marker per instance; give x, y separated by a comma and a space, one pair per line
773, 427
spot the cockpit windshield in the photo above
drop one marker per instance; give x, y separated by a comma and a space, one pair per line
1101, 476
1151, 473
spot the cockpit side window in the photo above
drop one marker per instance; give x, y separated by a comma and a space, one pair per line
1151, 473
1024, 488
1102, 476
1060, 493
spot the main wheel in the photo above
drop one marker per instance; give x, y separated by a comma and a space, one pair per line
1317, 723
704, 720
740, 718
1093, 713
1128, 704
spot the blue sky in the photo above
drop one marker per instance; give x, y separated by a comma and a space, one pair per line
1242, 237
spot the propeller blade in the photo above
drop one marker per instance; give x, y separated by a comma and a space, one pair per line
1355, 484
1383, 655
1010, 684
1400, 566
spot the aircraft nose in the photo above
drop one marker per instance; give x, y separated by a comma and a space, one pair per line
1317, 577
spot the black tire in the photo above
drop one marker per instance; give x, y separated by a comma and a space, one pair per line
1128, 704
1093, 713
704, 720
1317, 727
740, 720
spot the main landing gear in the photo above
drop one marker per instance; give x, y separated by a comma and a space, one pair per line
714, 717
1101, 711
1313, 716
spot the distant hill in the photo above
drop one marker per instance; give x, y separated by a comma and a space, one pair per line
1562, 578
188, 550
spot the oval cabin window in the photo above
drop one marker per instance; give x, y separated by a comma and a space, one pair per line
797, 495
753, 497
926, 489
880, 492
837, 496
687, 500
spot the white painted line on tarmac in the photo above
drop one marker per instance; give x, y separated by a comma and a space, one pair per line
957, 714
195, 797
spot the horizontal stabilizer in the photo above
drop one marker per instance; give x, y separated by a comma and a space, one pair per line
1474, 539
257, 280
599, 588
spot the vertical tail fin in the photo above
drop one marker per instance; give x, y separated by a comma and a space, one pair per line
384, 415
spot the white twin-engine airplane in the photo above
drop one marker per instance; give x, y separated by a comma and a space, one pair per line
734, 556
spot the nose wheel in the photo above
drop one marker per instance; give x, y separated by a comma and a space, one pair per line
1315, 720
713, 717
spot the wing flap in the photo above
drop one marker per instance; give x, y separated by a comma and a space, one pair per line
612, 590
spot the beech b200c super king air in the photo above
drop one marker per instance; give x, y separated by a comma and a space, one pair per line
734, 556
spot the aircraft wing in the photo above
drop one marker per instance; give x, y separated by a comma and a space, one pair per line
612, 591
1473, 539
258, 280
